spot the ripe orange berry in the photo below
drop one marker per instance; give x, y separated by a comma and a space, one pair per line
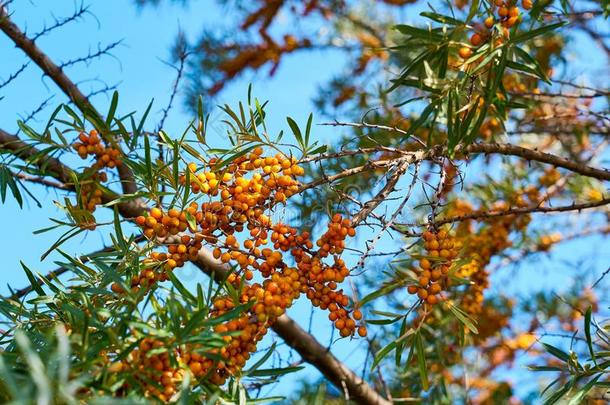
156, 213
527, 4
362, 331
511, 22
489, 22
465, 52
476, 39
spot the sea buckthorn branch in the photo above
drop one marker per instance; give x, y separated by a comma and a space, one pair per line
390, 223
383, 194
53, 167
411, 157
500, 149
56, 73
364, 124
357, 386
244, 191
54, 274
42, 181
304, 343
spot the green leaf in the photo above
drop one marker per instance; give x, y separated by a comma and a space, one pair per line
147, 158
527, 35
588, 334
579, 397
381, 354
544, 368
560, 354
421, 361
261, 361
275, 371
419, 33
530, 60
297, 132
308, 128
463, 317
556, 396
113, 105
388, 288
444, 19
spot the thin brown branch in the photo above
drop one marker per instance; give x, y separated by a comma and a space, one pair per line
525, 210
501, 149
364, 124
42, 181
381, 196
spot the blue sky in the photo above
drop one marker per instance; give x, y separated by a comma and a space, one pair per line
137, 66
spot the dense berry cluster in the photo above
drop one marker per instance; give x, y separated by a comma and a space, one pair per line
235, 223
91, 145
433, 269
507, 16
105, 157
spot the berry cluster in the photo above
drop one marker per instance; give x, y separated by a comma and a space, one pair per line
433, 269
160, 225
235, 223
91, 144
105, 157
508, 15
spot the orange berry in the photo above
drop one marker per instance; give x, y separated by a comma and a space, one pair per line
156, 213
476, 39
465, 52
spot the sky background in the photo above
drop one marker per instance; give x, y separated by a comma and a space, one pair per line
137, 67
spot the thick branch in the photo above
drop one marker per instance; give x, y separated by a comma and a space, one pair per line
533, 154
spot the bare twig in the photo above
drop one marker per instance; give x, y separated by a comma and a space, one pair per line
14, 75
62, 81
58, 23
